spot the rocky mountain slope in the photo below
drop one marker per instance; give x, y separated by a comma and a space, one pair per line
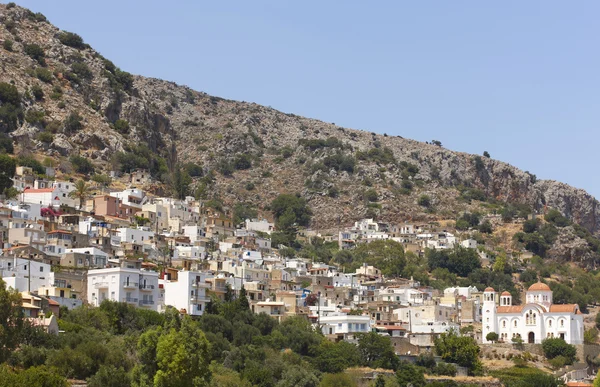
74, 101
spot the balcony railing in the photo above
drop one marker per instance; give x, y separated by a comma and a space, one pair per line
99, 285
130, 300
146, 287
146, 302
196, 299
130, 284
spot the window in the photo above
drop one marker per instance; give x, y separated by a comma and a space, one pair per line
515, 324
41, 269
562, 323
550, 323
504, 324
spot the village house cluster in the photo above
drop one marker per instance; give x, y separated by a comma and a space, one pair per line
158, 252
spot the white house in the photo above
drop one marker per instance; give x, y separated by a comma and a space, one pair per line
187, 293
259, 225
127, 283
135, 235
340, 323
194, 232
469, 243
533, 321
24, 274
132, 197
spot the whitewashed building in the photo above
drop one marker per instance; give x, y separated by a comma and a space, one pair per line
187, 293
127, 283
533, 321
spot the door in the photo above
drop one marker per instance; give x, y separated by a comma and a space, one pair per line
531, 338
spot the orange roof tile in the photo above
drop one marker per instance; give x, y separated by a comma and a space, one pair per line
563, 308
510, 309
505, 293
40, 190
539, 286
489, 289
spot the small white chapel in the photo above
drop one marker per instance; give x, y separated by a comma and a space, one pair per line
533, 321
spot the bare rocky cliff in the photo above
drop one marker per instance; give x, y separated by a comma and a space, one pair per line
344, 173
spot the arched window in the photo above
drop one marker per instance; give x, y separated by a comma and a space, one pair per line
562, 323
504, 324
550, 323
515, 324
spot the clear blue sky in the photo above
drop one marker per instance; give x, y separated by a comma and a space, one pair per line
520, 79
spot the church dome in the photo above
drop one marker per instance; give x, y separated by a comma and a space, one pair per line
539, 287
489, 290
505, 293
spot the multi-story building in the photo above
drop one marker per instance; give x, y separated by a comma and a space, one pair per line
126, 283
187, 293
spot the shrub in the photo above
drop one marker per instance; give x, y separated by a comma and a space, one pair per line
43, 74
242, 161
6, 144
45, 137
73, 122
554, 347
11, 112
35, 52
492, 336
122, 126
28, 161
250, 186
57, 92
287, 152
37, 92
82, 70
193, 169
424, 201
10, 5
8, 45
81, 164
371, 195
35, 116
72, 40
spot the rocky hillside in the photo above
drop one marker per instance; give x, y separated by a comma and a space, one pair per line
74, 101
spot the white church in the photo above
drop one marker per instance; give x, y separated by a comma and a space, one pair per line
533, 321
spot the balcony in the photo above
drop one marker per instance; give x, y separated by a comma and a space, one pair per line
130, 300
197, 299
147, 288
146, 302
101, 285
130, 285
198, 284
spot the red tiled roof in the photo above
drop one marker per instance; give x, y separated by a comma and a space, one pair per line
510, 309
539, 286
563, 308
40, 190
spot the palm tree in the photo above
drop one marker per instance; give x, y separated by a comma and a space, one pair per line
81, 192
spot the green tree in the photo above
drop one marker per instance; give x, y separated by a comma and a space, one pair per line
462, 350
554, 347
12, 320
109, 375
486, 154
81, 192
294, 207
376, 351
81, 164
72, 40
180, 182
492, 336
73, 123
424, 201
336, 357
297, 376
409, 375
11, 111
182, 357
8, 168
386, 255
